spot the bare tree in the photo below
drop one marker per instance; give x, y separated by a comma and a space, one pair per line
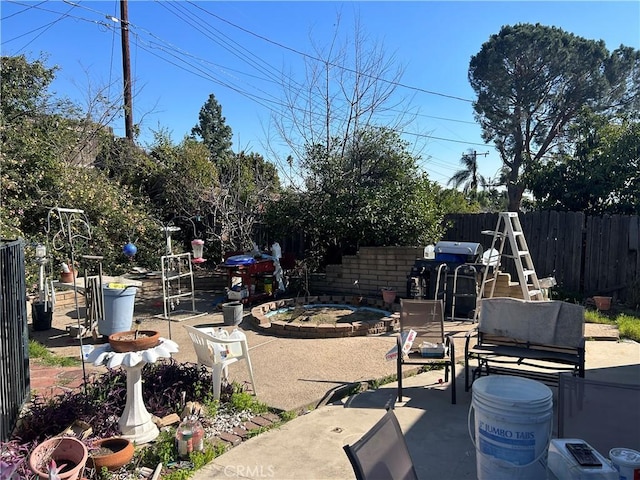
347, 89
232, 213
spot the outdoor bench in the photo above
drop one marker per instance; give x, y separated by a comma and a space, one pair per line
535, 339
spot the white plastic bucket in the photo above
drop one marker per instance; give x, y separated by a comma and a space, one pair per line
627, 462
513, 421
86, 351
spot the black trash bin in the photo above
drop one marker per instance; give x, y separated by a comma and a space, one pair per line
41, 315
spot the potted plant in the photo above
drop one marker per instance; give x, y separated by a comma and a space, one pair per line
134, 340
67, 273
388, 294
62, 458
602, 303
112, 453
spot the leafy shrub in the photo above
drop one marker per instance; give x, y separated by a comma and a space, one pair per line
101, 403
163, 451
241, 401
105, 398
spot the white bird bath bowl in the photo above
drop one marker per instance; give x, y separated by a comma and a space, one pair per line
136, 423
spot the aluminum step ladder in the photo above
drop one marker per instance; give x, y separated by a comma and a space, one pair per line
509, 228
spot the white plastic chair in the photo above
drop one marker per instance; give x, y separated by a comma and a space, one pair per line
218, 354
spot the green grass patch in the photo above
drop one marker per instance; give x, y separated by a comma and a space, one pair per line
39, 351
628, 325
242, 401
288, 416
593, 316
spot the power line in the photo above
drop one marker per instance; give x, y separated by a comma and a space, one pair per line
24, 10
57, 12
402, 132
132, 25
424, 135
207, 74
373, 77
45, 27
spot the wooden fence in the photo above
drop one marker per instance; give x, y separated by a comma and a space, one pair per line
587, 255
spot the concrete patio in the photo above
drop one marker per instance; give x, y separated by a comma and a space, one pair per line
309, 376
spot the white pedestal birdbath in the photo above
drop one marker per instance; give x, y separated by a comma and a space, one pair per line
135, 423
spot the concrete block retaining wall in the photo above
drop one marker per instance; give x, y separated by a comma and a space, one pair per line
373, 268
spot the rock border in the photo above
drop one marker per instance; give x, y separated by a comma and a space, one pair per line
386, 324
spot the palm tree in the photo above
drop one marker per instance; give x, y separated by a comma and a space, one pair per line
469, 175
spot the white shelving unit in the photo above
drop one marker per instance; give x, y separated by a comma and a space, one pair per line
177, 285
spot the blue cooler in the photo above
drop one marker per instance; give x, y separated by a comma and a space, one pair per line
458, 252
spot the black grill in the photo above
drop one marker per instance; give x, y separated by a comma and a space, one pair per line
434, 278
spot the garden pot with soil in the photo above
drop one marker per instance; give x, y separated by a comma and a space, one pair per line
67, 277
134, 340
602, 303
69, 454
112, 453
388, 295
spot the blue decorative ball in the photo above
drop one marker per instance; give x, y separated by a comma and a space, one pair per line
129, 249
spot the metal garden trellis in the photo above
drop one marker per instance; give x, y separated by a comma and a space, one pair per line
175, 268
73, 225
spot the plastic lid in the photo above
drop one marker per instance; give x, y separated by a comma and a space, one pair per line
119, 286
625, 456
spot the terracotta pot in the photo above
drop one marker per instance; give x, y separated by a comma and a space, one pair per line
602, 303
388, 295
123, 342
68, 277
122, 449
68, 451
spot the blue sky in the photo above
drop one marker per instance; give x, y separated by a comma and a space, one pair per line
183, 51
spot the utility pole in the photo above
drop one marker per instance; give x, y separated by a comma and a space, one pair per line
126, 70
474, 154
474, 165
